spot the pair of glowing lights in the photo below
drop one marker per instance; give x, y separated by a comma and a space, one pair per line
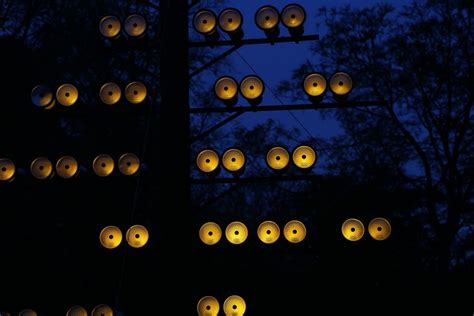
67, 167
268, 232
379, 229
134, 26
267, 18
111, 236
234, 305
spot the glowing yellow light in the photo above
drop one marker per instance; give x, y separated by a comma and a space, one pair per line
352, 229
268, 232
294, 231
110, 237
234, 305
207, 161
137, 236
67, 167
103, 165
236, 233
208, 306
379, 228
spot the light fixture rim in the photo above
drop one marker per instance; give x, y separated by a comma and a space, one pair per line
237, 84
350, 77
316, 157
215, 152
271, 7
286, 7
315, 73
233, 148
278, 146
213, 14
249, 76
241, 19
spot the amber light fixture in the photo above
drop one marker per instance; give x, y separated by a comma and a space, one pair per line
341, 85
252, 88
293, 17
135, 26
233, 160
208, 306
205, 23
379, 228
267, 19
268, 232
304, 157
207, 161
294, 231
210, 233
226, 89
110, 237
135, 92
110, 93
236, 233
28, 312
41, 168
110, 27
234, 305
103, 165
128, 164
102, 310
137, 236
230, 21
42, 96
67, 167
315, 86
7, 169
67, 94
352, 229
278, 158
76, 311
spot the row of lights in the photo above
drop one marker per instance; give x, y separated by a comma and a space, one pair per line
379, 229
67, 94
134, 26
234, 305
99, 310
67, 167
277, 158
111, 236
268, 232
267, 18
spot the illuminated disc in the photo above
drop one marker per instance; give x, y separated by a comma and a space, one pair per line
294, 231
278, 158
234, 305
267, 17
28, 312
135, 92
236, 233
129, 164
208, 306
379, 228
110, 237
135, 25
341, 83
205, 21
293, 16
304, 157
251, 87
66, 167
41, 168
67, 94
137, 236
225, 88
103, 165
210, 233
207, 160
110, 93
268, 232
42, 96
315, 85
230, 20
233, 160
7, 169
352, 229
110, 26
76, 311
102, 310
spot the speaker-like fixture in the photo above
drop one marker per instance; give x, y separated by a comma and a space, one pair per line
66, 167
129, 164
28, 312
7, 169
268, 232
110, 27
208, 306
226, 90
210, 233
379, 228
76, 311
293, 17
252, 88
352, 229
230, 21
234, 305
135, 25
205, 23
137, 236
304, 157
267, 19
233, 160
294, 231
102, 310
236, 233
278, 158
110, 237
135, 92
341, 85
315, 86
103, 165
207, 161
42, 96
110, 93
67, 94
41, 168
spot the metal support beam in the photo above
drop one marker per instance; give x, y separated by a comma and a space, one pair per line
253, 41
